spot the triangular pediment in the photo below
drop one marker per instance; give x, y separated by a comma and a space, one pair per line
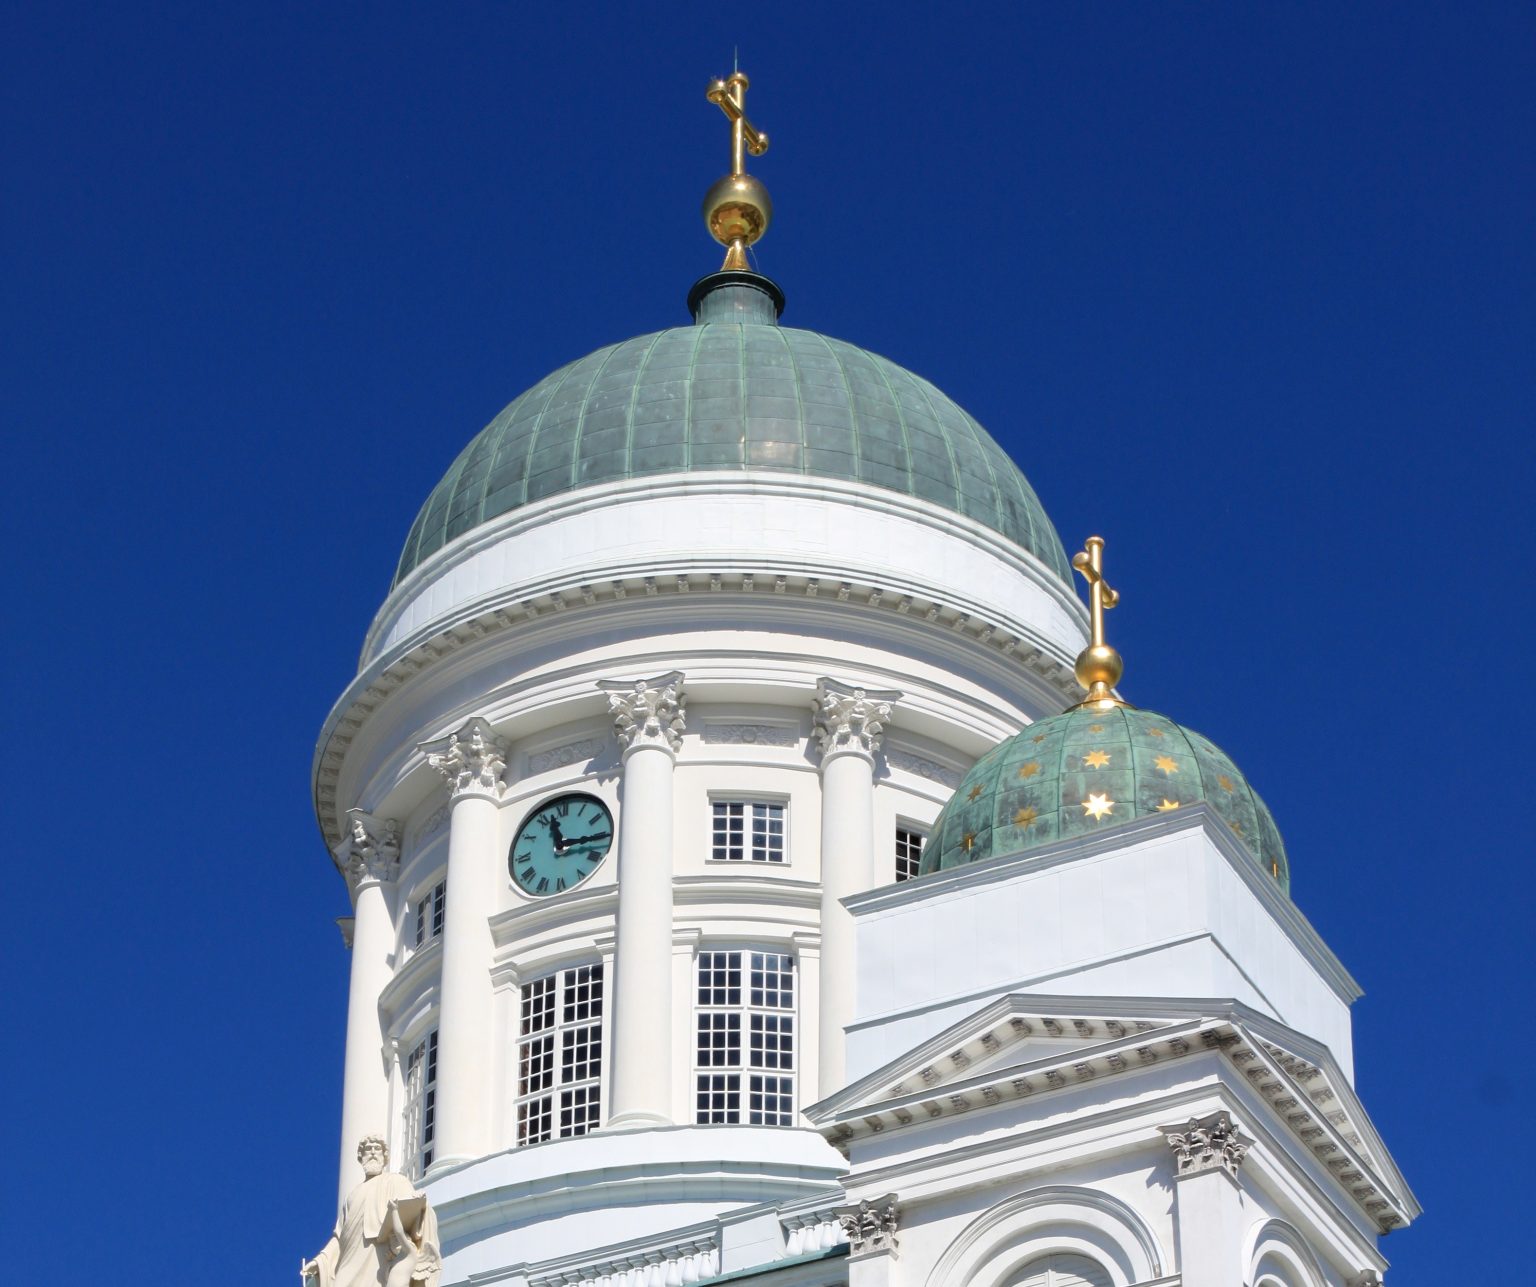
1021, 1045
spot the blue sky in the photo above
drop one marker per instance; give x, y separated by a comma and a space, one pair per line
1246, 288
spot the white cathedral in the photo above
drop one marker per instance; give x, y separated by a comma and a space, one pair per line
745, 890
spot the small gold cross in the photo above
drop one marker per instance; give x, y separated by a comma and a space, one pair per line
1090, 562
730, 96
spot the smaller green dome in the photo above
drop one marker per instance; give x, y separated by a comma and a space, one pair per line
1080, 772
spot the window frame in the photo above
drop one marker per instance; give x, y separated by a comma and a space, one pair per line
425, 926
748, 802
419, 1111
745, 1056
560, 1045
904, 827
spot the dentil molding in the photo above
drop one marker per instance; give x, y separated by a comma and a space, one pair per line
471, 760
647, 712
849, 719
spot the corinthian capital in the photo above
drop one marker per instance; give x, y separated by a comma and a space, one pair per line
647, 712
370, 850
850, 720
471, 760
872, 1225
1206, 1144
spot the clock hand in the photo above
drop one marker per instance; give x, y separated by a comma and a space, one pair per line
553, 824
582, 840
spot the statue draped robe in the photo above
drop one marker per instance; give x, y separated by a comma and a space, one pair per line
360, 1252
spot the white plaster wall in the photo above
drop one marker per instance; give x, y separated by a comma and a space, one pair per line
765, 521
1165, 915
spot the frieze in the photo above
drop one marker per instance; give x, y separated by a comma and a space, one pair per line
751, 735
561, 757
929, 770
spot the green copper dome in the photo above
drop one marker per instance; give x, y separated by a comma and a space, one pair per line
735, 391
1078, 773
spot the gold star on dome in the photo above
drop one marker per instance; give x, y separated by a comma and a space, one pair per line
1095, 728
1095, 759
1098, 806
1165, 764
1166, 805
1029, 770
968, 840
1236, 826
1038, 738
1225, 783
1025, 816
975, 792
1156, 732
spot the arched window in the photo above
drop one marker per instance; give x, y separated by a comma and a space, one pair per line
1061, 1271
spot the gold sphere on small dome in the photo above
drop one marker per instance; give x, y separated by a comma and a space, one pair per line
1099, 664
737, 209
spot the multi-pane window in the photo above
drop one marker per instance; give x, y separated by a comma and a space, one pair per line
421, 1102
560, 1055
909, 853
748, 831
745, 1047
429, 913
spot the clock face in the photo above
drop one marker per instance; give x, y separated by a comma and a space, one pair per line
560, 844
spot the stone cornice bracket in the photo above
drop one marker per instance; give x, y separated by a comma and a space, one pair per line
1206, 1144
369, 851
871, 1226
647, 712
471, 760
850, 720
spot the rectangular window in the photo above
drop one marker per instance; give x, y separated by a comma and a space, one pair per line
421, 1102
745, 831
560, 1055
745, 1047
909, 853
429, 913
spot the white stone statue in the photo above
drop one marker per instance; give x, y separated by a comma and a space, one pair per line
385, 1236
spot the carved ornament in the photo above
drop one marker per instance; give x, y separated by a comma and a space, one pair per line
370, 850
1206, 1144
647, 712
471, 760
872, 1225
850, 720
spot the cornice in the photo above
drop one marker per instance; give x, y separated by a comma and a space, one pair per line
907, 1093
1038, 662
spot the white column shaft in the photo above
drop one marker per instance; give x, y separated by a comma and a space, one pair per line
642, 992
465, 1012
1209, 1224
847, 867
365, 1077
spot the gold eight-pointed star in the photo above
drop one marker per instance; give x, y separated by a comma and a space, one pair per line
1029, 770
975, 792
1098, 806
1025, 816
1095, 759
1166, 764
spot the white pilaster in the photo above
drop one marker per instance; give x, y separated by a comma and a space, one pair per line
369, 857
871, 1229
472, 761
1208, 1200
849, 724
648, 719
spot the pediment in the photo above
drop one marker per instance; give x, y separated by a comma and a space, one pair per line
1021, 1045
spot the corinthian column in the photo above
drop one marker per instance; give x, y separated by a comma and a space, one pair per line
849, 723
1208, 1214
472, 762
648, 719
369, 857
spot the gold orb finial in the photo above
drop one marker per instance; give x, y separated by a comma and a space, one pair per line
1099, 666
737, 210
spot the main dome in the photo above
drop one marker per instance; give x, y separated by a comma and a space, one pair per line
734, 391
1073, 774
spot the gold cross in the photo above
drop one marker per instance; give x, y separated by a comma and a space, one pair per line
730, 96
1090, 562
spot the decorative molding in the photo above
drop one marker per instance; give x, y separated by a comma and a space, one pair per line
431, 825
1365, 1278
471, 760
560, 757
850, 719
346, 924
1206, 1144
647, 712
933, 771
872, 1225
369, 851
751, 734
